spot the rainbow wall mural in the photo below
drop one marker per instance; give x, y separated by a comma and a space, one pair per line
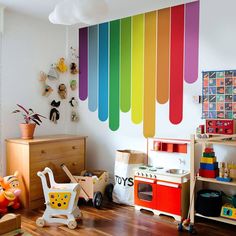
132, 63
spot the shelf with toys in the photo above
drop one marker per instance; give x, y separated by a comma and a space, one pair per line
210, 172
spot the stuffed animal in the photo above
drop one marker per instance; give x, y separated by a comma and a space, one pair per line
73, 68
73, 102
54, 115
9, 193
61, 66
47, 90
62, 91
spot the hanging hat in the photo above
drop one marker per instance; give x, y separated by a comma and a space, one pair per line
53, 74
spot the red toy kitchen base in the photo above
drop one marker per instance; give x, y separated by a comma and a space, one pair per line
161, 193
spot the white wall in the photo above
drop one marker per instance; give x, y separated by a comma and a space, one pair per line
29, 46
217, 51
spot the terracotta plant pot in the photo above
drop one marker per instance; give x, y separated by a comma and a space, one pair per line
27, 130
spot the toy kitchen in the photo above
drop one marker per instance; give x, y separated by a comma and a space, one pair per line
161, 189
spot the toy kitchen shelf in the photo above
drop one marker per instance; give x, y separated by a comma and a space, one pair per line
218, 140
170, 145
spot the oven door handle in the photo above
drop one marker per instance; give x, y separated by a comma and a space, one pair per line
168, 184
144, 180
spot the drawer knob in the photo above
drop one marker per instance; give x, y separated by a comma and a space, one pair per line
43, 152
74, 164
74, 147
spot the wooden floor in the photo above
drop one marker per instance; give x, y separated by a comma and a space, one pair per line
118, 220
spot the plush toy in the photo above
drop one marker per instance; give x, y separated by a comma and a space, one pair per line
61, 66
73, 84
54, 115
73, 68
53, 74
47, 90
74, 116
9, 193
62, 91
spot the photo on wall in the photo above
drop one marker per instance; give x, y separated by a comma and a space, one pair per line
219, 94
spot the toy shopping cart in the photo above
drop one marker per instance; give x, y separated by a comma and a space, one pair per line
60, 200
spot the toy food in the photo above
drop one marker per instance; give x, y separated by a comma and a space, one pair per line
61, 66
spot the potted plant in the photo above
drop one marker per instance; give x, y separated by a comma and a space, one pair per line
31, 120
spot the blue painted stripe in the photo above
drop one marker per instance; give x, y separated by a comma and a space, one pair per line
103, 73
93, 68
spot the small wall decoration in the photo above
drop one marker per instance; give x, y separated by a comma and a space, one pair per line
61, 66
62, 91
47, 90
132, 63
74, 116
53, 74
54, 113
219, 94
73, 84
73, 102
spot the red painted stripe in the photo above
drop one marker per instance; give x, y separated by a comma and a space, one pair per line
176, 64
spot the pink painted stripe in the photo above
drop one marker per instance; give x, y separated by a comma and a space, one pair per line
191, 41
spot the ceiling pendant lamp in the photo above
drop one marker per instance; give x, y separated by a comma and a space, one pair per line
69, 12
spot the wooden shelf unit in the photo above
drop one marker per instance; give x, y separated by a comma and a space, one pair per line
219, 140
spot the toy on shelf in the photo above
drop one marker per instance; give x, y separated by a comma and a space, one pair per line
10, 222
224, 172
9, 193
228, 211
208, 165
60, 199
94, 184
61, 66
220, 127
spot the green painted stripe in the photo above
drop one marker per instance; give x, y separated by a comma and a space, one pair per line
114, 115
125, 64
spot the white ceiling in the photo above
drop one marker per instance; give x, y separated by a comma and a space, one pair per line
117, 8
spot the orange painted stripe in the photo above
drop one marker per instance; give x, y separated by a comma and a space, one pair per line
163, 55
149, 108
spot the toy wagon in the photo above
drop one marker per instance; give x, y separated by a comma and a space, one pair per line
94, 185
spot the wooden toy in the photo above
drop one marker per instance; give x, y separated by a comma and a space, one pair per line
9, 193
9, 222
94, 184
209, 173
220, 127
228, 211
60, 199
61, 66
208, 160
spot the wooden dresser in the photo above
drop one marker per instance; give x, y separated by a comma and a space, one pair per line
31, 156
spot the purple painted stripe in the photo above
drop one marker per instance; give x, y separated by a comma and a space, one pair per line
83, 63
191, 41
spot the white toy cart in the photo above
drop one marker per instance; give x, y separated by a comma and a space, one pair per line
60, 200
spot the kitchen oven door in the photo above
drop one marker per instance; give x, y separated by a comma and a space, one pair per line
145, 192
169, 197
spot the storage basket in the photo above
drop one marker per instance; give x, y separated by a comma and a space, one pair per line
209, 202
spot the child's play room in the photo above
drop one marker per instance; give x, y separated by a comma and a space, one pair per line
117, 117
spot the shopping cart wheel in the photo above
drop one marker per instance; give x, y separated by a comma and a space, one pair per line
72, 224
97, 200
40, 222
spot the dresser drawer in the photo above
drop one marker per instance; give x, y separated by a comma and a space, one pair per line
74, 164
56, 150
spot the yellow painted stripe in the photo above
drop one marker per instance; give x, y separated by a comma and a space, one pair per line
208, 160
137, 68
149, 75
163, 55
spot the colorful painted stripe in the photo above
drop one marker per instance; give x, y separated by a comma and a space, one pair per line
163, 55
191, 41
125, 64
114, 108
176, 64
93, 68
103, 73
83, 63
149, 108
137, 68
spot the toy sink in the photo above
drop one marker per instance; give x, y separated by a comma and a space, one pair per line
177, 171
